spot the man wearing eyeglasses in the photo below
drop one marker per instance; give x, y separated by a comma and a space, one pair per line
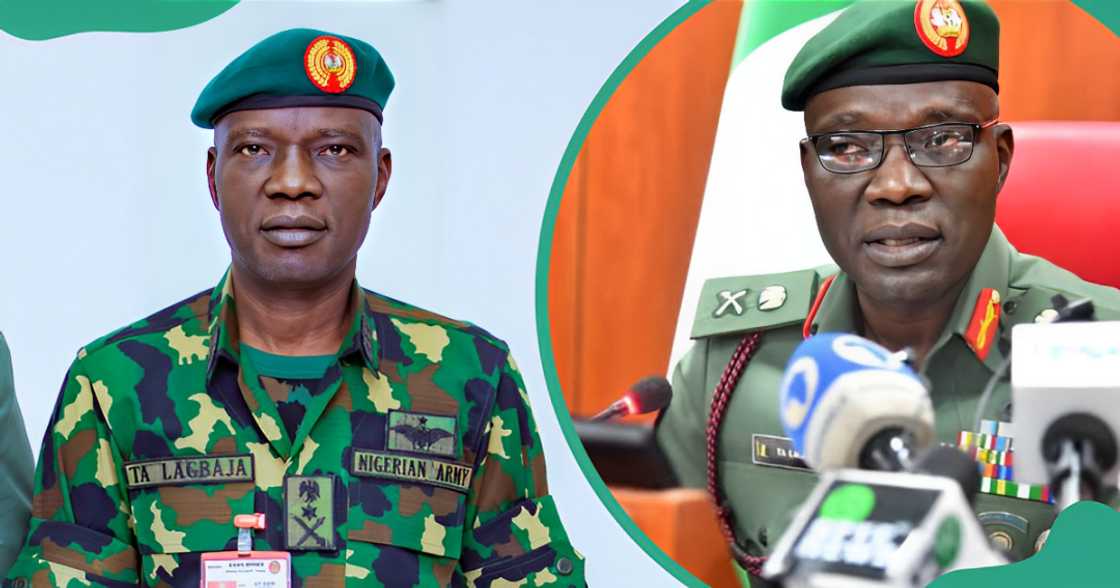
903, 160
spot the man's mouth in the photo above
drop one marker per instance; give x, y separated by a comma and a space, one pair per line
293, 231
902, 245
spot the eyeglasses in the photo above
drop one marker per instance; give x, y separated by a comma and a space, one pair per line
938, 145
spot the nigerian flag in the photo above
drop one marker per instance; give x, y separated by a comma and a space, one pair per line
756, 217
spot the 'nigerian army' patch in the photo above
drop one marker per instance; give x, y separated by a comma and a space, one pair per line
417, 432
778, 452
394, 466
309, 513
199, 469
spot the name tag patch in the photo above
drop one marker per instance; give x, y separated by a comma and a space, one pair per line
309, 513
417, 432
778, 452
201, 469
394, 466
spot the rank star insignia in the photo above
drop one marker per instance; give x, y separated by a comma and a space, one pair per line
416, 432
309, 506
330, 65
730, 301
771, 297
942, 26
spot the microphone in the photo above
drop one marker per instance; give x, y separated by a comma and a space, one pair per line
650, 394
847, 402
952, 463
1066, 421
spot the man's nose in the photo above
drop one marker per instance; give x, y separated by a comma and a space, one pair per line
293, 176
897, 180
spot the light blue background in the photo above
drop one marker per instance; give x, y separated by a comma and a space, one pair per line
106, 215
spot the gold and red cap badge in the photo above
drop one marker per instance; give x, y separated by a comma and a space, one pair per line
330, 64
942, 26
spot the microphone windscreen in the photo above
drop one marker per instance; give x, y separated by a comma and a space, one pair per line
649, 394
839, 390
951, 462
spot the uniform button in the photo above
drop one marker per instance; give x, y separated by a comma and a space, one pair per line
1010, 306
1001, 541
564, 566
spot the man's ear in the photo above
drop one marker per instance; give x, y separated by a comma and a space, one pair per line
384, 170
211, 164
1005, 148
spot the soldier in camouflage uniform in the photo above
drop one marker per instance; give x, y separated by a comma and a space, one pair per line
386, 445
903, 164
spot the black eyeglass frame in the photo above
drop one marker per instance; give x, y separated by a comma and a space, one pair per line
976, 128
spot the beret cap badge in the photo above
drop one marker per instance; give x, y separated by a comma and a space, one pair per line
330, 64
942, 26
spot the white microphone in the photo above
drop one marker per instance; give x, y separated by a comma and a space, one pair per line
1065, 389
847, 402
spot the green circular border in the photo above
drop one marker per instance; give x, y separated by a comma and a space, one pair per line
544, 332
1105, 11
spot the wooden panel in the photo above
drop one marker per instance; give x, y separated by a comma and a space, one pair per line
628, 217
683, 524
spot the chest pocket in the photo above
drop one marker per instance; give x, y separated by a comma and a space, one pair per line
417, 515
187, 504
405, 533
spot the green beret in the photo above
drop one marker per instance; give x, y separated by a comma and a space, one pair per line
897, 42
298, 67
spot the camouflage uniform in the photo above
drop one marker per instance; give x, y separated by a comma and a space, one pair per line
162, 434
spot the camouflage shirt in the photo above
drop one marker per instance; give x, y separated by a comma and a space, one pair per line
418, 463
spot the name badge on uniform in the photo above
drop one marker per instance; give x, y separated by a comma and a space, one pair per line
257, 569
777, 452
246, 568
200, 469
407, 468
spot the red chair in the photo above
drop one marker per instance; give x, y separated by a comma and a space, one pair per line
1062, 196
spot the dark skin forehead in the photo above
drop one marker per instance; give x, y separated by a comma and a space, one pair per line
299, 124
887, 107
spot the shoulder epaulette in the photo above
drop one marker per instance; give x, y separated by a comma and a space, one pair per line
1036, 304
752, 303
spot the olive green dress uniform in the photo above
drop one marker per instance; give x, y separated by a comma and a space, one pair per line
747, 462
762, 484
16, 466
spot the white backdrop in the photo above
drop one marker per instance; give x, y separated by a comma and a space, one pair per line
107, 216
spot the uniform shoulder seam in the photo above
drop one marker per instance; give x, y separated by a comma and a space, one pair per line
400, 310
160, 321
